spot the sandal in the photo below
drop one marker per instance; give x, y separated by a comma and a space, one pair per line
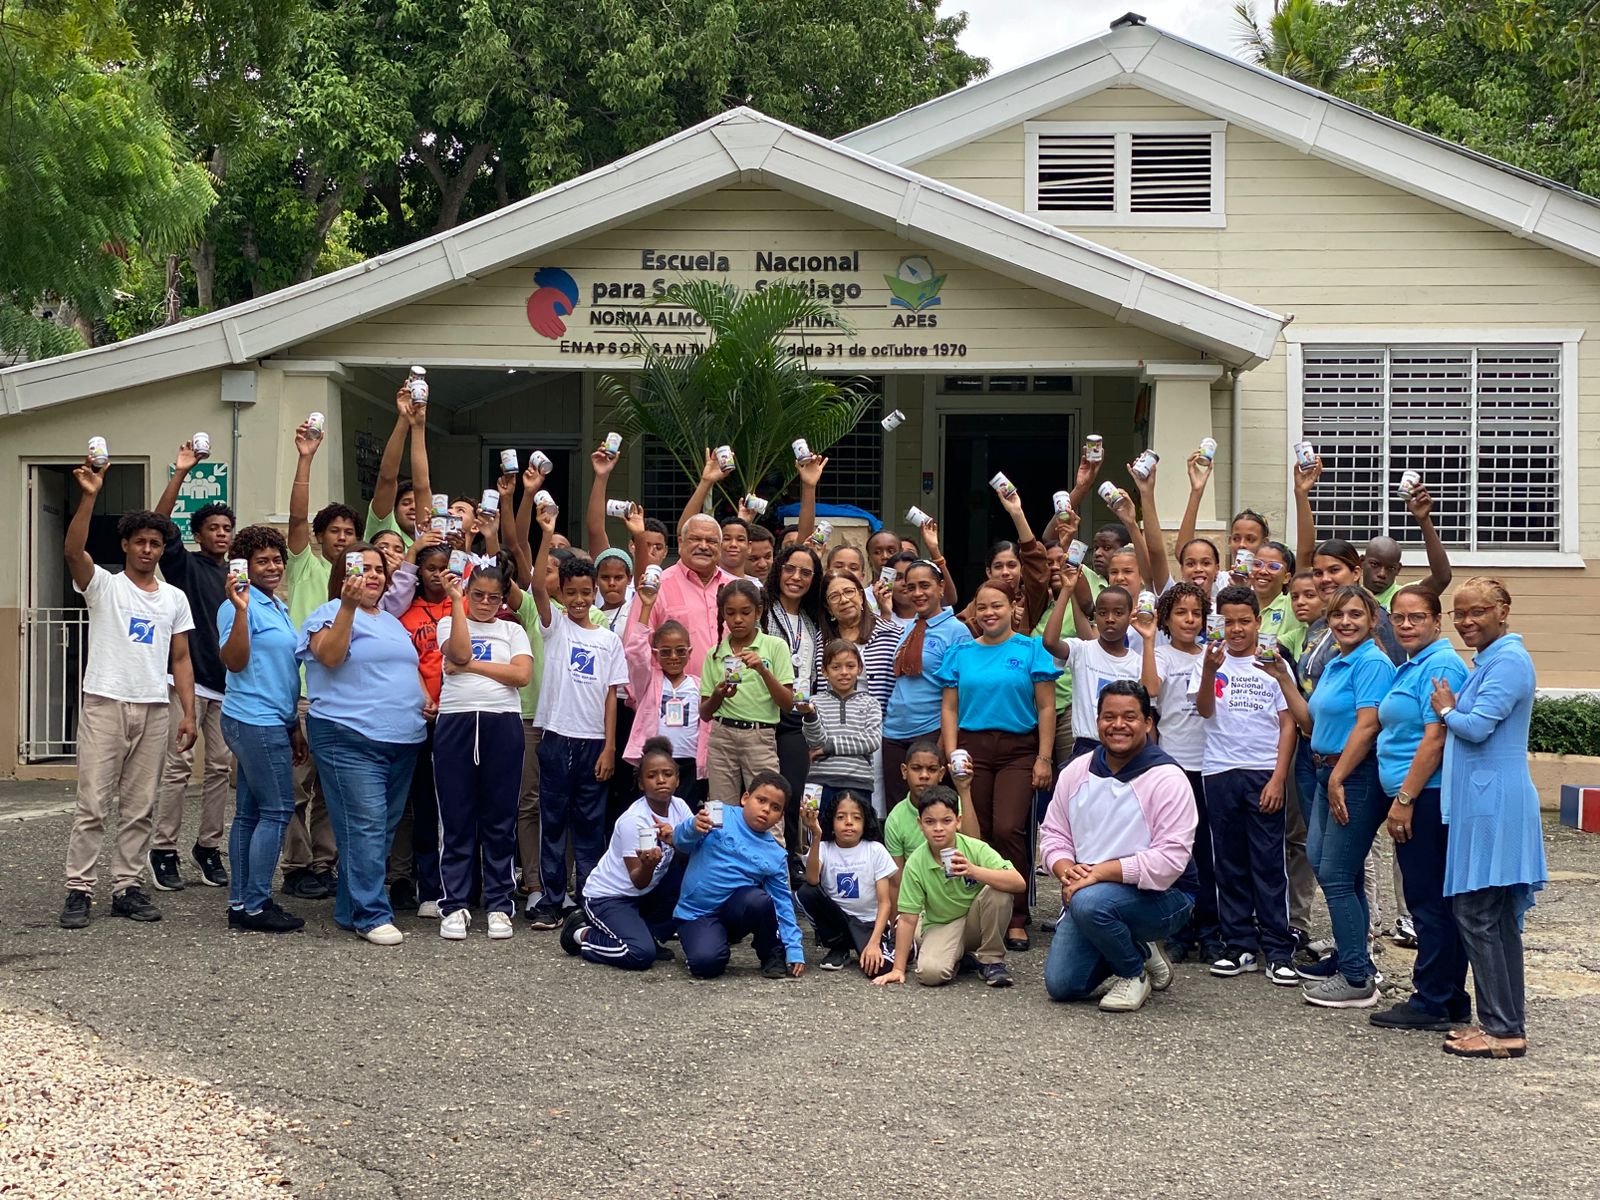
1486, 1045
1018, 944
1466, 1031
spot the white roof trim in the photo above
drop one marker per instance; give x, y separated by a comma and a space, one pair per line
738, 146
1494, 192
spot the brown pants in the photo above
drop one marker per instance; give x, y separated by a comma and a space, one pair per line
528, 808
218, 761
1302, 879
981, 933
1002, 796
308, 843
120, 749
735, 756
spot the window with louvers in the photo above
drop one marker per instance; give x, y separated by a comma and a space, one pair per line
1077, 172
1170, 172
1482, 425
1162, 174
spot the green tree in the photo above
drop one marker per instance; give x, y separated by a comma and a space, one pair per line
747, 389
90, 173
1307, 41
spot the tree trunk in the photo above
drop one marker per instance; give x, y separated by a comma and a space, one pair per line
452, 189
174, 295
329, 200
203, 258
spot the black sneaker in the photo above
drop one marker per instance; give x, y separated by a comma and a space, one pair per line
135, 905
1408, 1016
837, 960
75, 912
233, 917
403, 895
329, 880
304, 885
995, 975
967, 965
545, 916
209, 860
164, 871
575, 924
774, 967
664, 953
271, 919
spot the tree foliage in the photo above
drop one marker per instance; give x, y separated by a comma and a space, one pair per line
1304, 40
746, 389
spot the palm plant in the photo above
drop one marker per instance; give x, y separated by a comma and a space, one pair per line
1306, 40
746, 389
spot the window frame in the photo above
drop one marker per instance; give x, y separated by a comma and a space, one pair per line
1566, 552
1123, 216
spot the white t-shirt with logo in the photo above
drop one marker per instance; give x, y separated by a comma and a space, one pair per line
850, 877
492, 642
1242, 732
579, 666
1183, 731
680, 715
610, 878
130, 637
1092, 669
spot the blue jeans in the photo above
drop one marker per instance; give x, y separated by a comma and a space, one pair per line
1338, 855
365, 783
1101, 934
261, 810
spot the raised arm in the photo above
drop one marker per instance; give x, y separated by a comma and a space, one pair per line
421, 484
1124, 512
389, 466
169, 495
1439, 573
521, 550
306, 445
331, 643
930, 540
594, 516
90, 480
810, 476
1074, 589
1306, 525
1087, 471
1199, 475
1155, 542
541, 560
710, 475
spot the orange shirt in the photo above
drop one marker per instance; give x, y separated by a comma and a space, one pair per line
422, 623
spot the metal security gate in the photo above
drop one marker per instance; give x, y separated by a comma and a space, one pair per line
53, 645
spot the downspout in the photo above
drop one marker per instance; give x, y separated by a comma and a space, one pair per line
233, 463
1235, 455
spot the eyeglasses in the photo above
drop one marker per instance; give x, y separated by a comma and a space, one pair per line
1474, 614
1413, 618
797, 572
1269, 565
672, 651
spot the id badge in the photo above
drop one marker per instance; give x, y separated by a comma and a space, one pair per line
677, 715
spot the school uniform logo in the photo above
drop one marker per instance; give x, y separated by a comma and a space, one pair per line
142, 631
847, 885
581, 663
481, 651
1222, 685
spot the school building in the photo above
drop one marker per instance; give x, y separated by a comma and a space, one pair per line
1135, 236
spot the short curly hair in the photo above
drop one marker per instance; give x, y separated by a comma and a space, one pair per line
252, 539
133, 522
197, 521
1169, 601
328, 515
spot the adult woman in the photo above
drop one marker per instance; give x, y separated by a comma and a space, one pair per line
791, 610
256, 639
916, 705
1495, 860
1348, 808
1022, 568
999, 706
364, 725
845, 615
1335, 563
1410, 751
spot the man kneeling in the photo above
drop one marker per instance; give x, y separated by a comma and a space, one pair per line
1119, 837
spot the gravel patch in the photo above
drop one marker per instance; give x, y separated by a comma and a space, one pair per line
76, 1123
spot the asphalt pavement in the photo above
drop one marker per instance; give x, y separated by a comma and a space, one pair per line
439, 1069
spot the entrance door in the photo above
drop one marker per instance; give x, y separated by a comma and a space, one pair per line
55, 621
563, 483
1034, 450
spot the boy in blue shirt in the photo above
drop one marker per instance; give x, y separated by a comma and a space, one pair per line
737, 885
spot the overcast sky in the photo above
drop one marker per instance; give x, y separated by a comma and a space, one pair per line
1011, 32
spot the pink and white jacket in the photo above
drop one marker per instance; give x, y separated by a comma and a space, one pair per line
1144, 816
644, 686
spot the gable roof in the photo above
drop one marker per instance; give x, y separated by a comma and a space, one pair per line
1132, 52
740, 146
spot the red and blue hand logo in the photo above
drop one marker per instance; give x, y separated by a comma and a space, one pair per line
555, 296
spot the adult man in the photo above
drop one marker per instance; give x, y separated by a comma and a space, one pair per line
689, 586
758, 563
1118, 837
309, 850
136, 625
201, 575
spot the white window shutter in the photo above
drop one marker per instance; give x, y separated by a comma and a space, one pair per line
1171, 173
1077, 172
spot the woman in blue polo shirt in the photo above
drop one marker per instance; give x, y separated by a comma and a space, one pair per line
257, 640
915, 703
999, 706
1349, 805
1410, 754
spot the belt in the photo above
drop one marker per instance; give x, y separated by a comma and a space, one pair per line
1325, 760
742, 724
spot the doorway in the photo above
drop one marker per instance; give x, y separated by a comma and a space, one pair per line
564, 482
1035, 452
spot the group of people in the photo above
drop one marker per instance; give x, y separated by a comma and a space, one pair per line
454, 714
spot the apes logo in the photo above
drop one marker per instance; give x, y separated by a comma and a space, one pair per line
481, 651
555, 296
142, 631
582, 662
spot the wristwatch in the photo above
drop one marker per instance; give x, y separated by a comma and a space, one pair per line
1404, 798
1446, 711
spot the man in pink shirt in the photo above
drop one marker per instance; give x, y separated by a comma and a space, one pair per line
689, 587
1119, 837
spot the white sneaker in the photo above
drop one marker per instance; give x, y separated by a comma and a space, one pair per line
500, 927
453, 928
428, 910
1159, 967
1127, 995
384, 935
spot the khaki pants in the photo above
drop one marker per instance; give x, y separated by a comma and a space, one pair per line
308, 843
1302, 879
217, 760
528, 808
735, 756
1061, 752
120, 750
980, 933
1377, 869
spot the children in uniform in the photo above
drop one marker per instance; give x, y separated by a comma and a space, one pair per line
848, 892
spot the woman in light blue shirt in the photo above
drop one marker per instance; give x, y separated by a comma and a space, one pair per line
1349, 807
1495, 862
916, 702
365, 726
999, 706
1410, 751
257, 640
